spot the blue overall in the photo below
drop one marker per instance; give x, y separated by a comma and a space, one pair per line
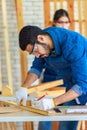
68, 61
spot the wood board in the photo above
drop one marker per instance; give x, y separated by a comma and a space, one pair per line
6, 91
44, 86
27, 108
4, 110
54, 92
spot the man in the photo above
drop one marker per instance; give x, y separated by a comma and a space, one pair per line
63, 53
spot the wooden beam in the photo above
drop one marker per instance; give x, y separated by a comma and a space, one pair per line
0, 79
70, 6
46, 12
7, 48
85, 16
6, 91
79, 16
44, 86
23, 58
20, 21
27, 108
61, 3
55, 92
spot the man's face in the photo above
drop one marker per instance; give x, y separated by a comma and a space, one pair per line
40, 49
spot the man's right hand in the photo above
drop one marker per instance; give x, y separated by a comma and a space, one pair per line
21, 96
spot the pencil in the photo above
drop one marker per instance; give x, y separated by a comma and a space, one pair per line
40, 97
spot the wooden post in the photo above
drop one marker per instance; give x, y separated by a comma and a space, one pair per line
85, 16
23, 58
46, 13
70, 4
0, 79
79, 16
7, 49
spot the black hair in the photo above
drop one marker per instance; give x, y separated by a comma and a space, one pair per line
59, 13
28, 35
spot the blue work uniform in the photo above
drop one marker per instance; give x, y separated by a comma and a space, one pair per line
68, 61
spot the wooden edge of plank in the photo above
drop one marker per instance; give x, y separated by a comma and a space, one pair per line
55, 93
28, 108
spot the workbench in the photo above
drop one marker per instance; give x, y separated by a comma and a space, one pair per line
25, 116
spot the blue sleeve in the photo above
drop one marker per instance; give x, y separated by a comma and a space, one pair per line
37, 66
76, 54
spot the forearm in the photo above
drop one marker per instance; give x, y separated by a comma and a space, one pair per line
30, 78
68, 96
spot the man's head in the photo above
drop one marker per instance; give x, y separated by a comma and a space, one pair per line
35, 41
28, 35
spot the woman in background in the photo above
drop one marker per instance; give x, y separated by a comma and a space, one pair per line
61, 19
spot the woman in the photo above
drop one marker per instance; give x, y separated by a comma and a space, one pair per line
61, 19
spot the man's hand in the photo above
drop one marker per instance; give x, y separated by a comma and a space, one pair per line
21, 96
43, 104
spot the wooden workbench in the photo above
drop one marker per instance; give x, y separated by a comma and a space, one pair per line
25, 116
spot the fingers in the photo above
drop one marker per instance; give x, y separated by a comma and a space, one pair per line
24, 101
21, 101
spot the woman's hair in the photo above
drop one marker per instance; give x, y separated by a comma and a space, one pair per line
59, 13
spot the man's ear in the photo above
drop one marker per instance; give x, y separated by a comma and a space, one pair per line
40, 37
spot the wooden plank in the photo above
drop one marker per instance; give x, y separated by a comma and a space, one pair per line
79, 125
2, 126
61, 4
70, 5
23, 57
14, 126
44, 86
7, 109
46, 13
8, 126
85, 16
20, 22
6, 91
55, 92
28, 108
83, 125
7, 49
55, 7
0, 79
80, 17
